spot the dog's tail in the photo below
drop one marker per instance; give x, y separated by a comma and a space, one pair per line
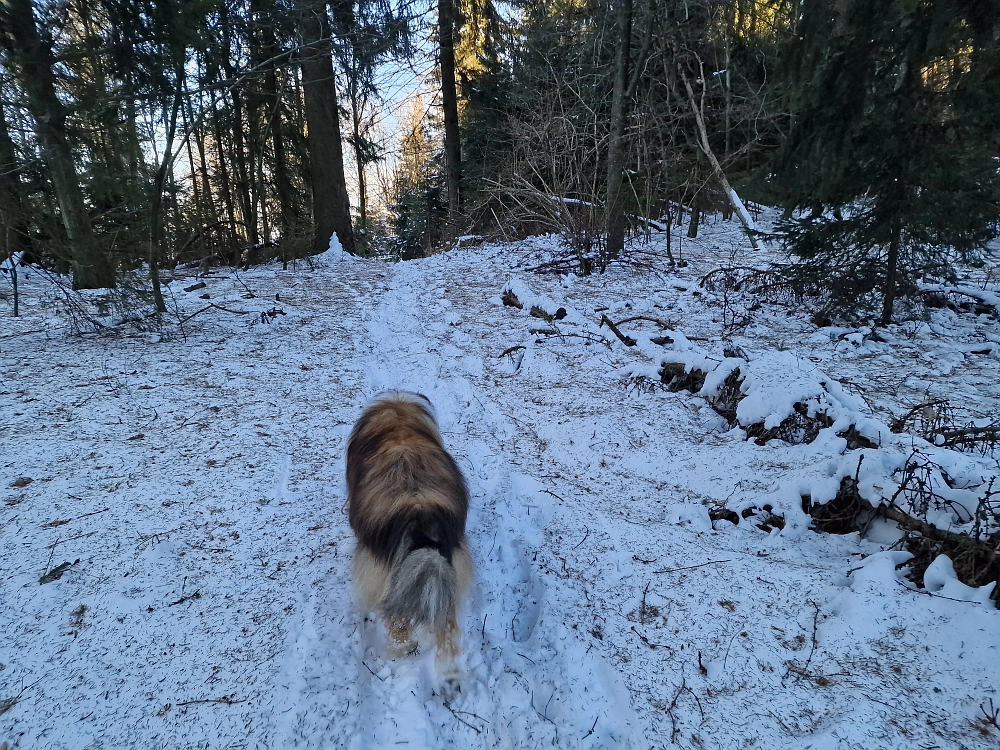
423, 585
422, 589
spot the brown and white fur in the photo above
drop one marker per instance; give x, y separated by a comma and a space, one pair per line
407, 503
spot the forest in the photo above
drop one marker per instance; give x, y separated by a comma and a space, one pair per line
705, 296
137, 136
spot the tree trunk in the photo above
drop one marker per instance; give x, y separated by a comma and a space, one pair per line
331, 205
257, 116
195, 193
198, 135
272, 100
616, 138
226, 185
362, 185
14, 236
731, 195
695, 219
32, 60
283, 185
449, 103
242, 170
156, 207
891, 272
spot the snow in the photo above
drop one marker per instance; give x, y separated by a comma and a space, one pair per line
195, 485
335, 253
984, 295
940, 578
742, 210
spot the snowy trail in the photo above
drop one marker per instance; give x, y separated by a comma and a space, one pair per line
198, 481
520, 688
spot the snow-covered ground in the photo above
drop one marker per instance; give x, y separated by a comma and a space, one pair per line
193, 480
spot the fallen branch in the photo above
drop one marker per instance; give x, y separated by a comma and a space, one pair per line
195, 595
627, 340
702, 133
22, 333
561, 334
209, 307
926, 541
509, 351
969, 434
6, 704
804, 670
57, 542
569, 263
925, 592
660, 323
899, 425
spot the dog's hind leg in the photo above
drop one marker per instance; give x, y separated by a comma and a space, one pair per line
446, 658
399, 632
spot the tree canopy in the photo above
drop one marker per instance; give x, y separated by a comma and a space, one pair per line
157, 133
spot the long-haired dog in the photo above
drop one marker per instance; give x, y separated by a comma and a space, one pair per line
407, 504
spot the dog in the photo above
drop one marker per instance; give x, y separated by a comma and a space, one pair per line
407, 503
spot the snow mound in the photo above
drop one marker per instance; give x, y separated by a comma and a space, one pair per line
940, 578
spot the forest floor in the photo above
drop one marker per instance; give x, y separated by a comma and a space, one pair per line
191, 480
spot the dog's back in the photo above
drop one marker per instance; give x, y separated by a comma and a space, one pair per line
408, 504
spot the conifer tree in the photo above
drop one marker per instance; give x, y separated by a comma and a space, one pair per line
29, 54
888, 154
331, 205
419, 190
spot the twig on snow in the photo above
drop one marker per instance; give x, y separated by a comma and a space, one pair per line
6, 704
660, 323
936, 596
227, 700
876, 700
209, 307
803, 671
990, 717
195, 595
692, 567
454, 713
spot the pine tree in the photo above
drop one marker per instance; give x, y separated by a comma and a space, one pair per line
14, 237
331, 205
29, 54
486, 87
888, 152
449, 105
419, 191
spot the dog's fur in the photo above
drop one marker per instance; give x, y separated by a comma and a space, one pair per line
407, 503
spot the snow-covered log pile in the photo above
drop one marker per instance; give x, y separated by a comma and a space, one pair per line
944, 499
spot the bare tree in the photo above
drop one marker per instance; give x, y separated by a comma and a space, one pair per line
697, 110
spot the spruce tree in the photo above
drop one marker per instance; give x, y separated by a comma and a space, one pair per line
888, 155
